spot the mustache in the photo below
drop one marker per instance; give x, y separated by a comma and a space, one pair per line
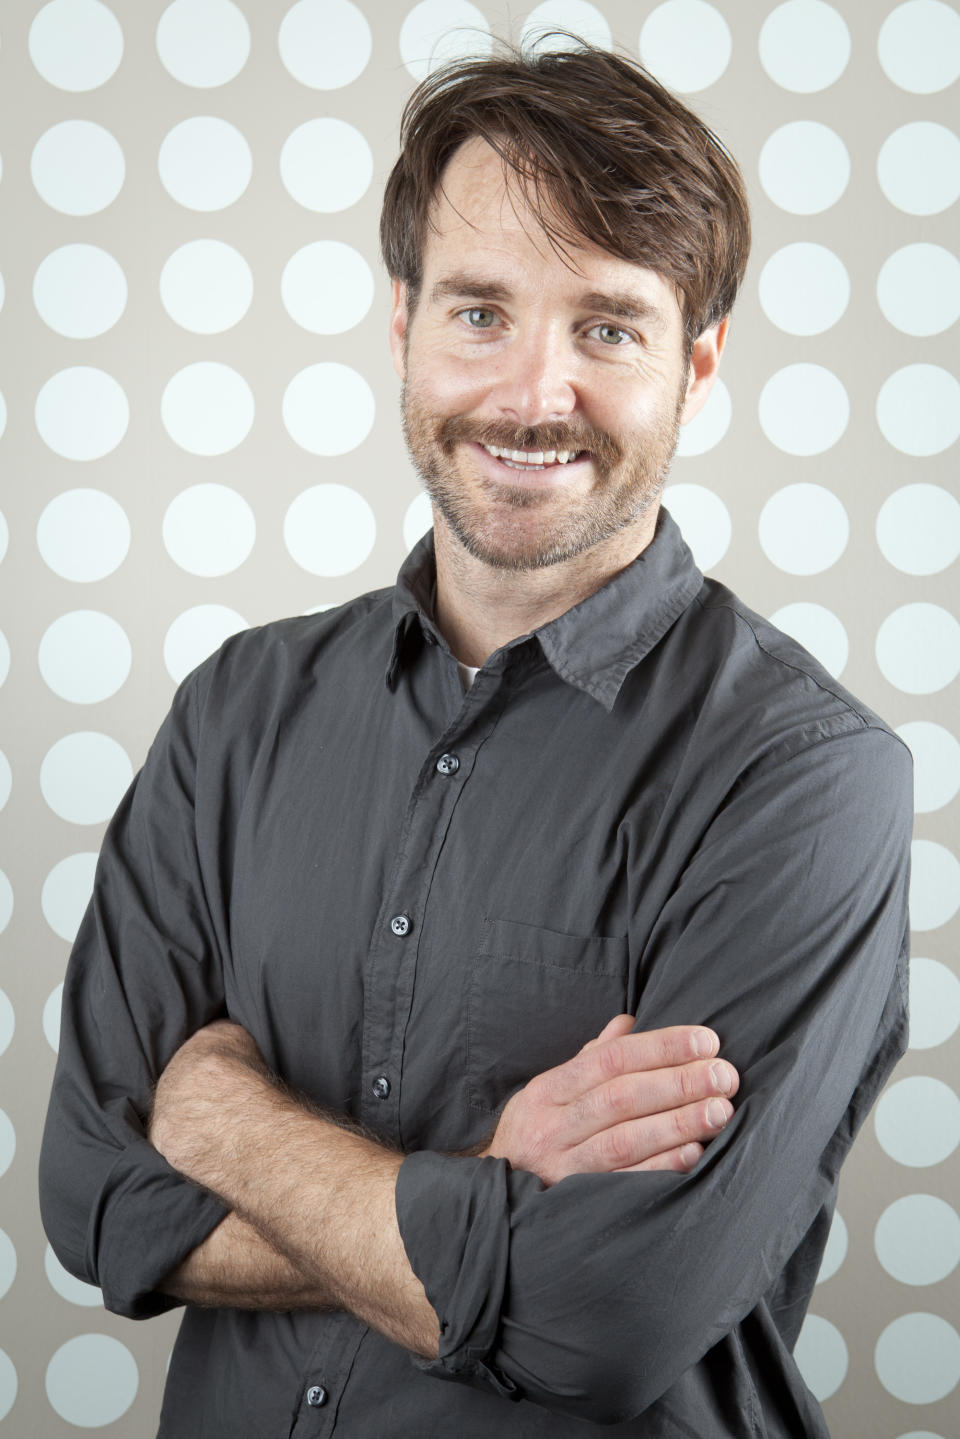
604, 448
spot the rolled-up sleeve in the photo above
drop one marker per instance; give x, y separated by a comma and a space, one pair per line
145, 972
787, 932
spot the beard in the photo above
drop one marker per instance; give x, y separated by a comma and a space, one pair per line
519, 527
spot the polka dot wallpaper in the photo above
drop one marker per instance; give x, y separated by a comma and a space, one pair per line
199, 431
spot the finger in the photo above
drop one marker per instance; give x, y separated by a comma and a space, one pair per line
619, 1025
679, 1161
626, 1054
653, 1092
625, 1145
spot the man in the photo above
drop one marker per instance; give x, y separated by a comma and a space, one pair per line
391, 1037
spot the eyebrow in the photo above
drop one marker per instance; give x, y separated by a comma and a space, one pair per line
620, 304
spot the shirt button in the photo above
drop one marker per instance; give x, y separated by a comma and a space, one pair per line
316, 1396
381, 1086
400, 924
447, 764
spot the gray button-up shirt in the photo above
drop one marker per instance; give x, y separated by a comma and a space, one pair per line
415, 899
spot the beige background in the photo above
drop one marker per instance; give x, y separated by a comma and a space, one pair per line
145, 470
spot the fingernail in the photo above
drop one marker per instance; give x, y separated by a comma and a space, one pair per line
722, 1078
689, 1155
718, 1112
703, 1043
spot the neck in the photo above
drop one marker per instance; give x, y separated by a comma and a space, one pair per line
481, 608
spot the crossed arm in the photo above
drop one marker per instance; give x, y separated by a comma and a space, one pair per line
313, 1221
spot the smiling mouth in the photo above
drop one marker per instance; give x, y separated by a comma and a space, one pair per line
532, 459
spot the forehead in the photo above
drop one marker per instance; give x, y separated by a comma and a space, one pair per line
480, 217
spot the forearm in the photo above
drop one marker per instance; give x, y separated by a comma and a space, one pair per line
236, 1268
319, 1196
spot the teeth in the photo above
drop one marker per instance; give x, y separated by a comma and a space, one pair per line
532, 457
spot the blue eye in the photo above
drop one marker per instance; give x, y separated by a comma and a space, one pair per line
612, 334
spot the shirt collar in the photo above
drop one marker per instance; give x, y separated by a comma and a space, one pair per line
595, 644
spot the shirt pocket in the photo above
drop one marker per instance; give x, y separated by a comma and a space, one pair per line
534, 998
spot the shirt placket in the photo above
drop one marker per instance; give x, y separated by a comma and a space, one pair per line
391, 964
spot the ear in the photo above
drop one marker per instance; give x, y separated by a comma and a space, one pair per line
704, 363
398, 329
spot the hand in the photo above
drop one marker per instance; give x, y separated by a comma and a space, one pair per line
624, 1102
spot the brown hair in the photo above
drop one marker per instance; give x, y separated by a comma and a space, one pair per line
603, 153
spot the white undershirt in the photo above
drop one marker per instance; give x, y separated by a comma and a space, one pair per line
467, 675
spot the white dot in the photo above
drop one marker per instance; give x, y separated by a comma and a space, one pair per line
704, 521
917, 1121
936, 764
76, 44
206, 286
326, 165
80, 291
934, 1003
821, 1356
686, 44
85, 656
77, 167
918, 529
919, 168
66, 893
835, 1251
75, 1291
51, 1017
8, 1272
918, 289
205, 163
6, 779
209, 530
8, 1142
804, 409
195, 634
918, 1358
437, 31
917, 1239
818, 630
84, 775
203, 43
327, 287
803, 529
207, 408
328, 409
578, 16
921, 1434
325, 44
417, 519
8, 1385
83, 535
918, 648
82, 413
804, 45
804, 167
92, 1380
804, 288
707, 428
7, 1024
918, 409
329, 530
919, 46
6, 901
934, 884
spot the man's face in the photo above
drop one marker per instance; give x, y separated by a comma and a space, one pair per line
541, 398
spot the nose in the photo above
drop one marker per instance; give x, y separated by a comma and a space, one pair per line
535, 380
